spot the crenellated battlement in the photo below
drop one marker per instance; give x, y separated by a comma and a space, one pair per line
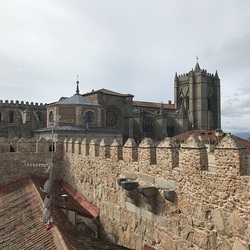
191, 156
166, 190
21, 104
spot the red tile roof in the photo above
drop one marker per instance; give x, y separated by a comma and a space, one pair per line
209, 136
206, 135
21, 226
154, 105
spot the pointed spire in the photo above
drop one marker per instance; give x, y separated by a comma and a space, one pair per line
77, 87
175, 75
216, 75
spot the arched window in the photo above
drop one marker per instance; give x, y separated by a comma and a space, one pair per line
52, 147
209, 103
40, 116
51, 116
11, 117
181, 101
187, 103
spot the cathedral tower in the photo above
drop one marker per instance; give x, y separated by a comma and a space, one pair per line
197, 96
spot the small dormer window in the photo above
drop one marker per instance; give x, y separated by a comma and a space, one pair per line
51, 116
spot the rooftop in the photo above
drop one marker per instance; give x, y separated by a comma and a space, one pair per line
21, 206
153, 105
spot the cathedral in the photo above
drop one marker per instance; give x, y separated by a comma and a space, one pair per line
106, 114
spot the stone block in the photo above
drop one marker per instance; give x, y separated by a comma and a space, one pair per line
130, 175
164, 183
146, 178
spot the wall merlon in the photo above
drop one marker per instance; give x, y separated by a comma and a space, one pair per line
71, 145
230, 157
94, 148
78, 144
147, 152
85, 147
116, 150
66, 145
167, 154
130, 151
104, 149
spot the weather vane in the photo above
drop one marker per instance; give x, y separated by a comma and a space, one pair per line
197, 58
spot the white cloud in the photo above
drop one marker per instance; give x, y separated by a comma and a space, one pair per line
130, 46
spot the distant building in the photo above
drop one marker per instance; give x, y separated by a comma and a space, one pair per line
107, 114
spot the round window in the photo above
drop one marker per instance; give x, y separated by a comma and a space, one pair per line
114, 117
89, 117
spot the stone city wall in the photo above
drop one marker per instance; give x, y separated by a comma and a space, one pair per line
163, 196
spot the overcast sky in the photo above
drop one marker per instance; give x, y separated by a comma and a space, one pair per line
127, 46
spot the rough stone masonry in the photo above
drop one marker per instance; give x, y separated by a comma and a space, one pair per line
161, 196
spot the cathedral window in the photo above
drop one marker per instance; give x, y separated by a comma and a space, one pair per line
40, 116
11, 117
187, 103
114, 117
170, 130
209, 104
181, 102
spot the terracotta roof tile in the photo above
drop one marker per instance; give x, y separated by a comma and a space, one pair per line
206, 135
20, 220
154, 105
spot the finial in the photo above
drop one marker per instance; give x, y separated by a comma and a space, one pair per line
77, 88
197, 58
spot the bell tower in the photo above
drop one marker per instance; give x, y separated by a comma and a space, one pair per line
197, 94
